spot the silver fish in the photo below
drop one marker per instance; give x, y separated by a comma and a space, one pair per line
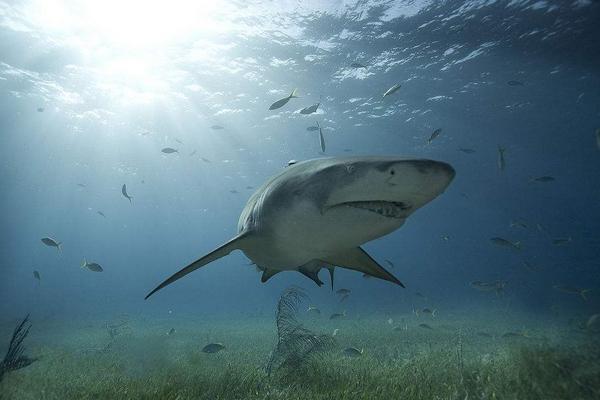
425, 326
572, 290
217, 127
353, 352
392, 90
310, 109
213, 348
313, 309
124, 192
51, 242
337, 315
466, 150
435, 134
169, 150
501, 161
506, 243
282, 102
312, 128
321, 138
36, 275
100, 213
95, 267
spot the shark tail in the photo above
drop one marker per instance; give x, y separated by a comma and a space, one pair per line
294, 94
84, 263
58, 244
433, 313
518, 245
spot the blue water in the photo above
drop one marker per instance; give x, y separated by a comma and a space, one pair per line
110, 106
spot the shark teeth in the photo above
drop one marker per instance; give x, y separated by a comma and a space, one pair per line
389, 209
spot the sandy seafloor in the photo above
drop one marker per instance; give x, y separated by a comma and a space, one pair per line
464, 356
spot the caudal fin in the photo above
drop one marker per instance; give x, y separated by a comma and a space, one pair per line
294, 93
219, 252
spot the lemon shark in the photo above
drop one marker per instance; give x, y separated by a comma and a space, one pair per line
317, 213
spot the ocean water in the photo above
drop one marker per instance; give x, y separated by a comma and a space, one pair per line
502, 290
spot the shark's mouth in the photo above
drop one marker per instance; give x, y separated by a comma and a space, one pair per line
388, 209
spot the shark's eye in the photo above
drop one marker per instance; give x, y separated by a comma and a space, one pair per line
392, 172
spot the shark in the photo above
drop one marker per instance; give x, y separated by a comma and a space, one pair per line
318, 213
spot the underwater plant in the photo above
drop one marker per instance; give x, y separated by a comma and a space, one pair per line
296, 345
14, 358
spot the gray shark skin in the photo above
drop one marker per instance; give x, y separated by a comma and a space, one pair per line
317, 213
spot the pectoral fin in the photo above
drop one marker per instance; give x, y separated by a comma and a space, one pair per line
222, 251
358, 260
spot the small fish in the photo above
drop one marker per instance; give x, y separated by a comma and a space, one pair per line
81, 185
40, 109
484, 334
390, 321
51, 242
343, 291
509, 335
572, 290
124, 192
36, 275
357, 65
344, 297
292, 162
561, 241
282, 102
193, 153
171, 332
598, 138
415, 311
429, 311
515, 83
506, 243
337, 315
392, 90
313, 309
401, 327
100, 213
466, 150
529, 266
312, 128
217, 127
517, 223
178, 141
213, 348
335, 332
205, 159
425, 326
169, 150
435, 134
321, 138
353, 352
501, 161
366, 276
310, 109
496, 286
388, 262
233, 191
95, 267
445, 238
542, 179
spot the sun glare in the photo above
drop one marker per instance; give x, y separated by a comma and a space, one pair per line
129, 24
130, 45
